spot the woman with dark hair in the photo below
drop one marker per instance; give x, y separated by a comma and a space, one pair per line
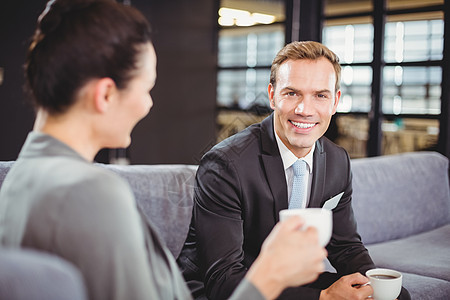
90, 68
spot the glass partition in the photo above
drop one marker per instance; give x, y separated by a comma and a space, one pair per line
244, 47
409, 41
412, 90
356, 85
409, 134
353, 43
242, 89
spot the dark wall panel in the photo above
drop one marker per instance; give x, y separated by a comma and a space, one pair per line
181, 123
17, 23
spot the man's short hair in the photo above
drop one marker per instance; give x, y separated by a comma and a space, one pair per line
305, 50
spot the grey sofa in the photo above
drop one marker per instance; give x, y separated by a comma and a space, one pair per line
401, 203
402, 206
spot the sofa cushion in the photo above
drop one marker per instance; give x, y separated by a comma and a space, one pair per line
426, 288
396, 196
165, 195
426, 254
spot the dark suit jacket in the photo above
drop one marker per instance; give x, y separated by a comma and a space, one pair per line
240, 189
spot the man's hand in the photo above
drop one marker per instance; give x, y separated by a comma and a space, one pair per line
289, 257
348, 288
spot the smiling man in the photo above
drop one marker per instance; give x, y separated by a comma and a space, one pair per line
243, 183
303, 96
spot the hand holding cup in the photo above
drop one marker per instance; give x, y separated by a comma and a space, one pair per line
319, 218
289, 257
386, 283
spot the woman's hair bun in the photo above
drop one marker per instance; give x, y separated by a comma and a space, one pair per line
56, 10
80, 40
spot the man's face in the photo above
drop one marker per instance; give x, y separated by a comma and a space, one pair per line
304, 100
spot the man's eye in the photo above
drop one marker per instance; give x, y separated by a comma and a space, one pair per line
321, 96
291, 94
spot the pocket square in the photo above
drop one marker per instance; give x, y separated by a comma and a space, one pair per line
333, 202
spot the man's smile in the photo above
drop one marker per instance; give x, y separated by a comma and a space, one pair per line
302, 125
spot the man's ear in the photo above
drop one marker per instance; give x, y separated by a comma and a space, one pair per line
105, 91
271, 92
336, 101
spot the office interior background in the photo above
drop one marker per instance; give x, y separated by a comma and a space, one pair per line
214, 62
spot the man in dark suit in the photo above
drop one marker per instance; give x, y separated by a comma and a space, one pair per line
243, 183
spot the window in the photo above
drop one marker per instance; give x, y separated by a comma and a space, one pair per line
412, 90
410, 67
392, 68
244, 62
414, 40
352, 43
251, 33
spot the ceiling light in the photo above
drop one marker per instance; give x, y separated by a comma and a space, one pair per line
233, 13
226, 21
231, 16
263, 18
245, 21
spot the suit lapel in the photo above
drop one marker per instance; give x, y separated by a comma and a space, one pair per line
319, 171
273, 166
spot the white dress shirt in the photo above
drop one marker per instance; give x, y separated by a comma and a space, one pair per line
289, 159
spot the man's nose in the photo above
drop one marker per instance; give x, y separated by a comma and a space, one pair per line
303, 107
300, 107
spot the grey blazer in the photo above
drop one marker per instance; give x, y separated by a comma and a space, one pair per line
54, 200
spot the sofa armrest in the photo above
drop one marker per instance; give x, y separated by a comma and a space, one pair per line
29, 274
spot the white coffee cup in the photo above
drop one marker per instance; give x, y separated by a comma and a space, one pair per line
386, 283
321, 219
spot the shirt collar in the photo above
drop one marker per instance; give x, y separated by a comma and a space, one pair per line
40, 144
289, 158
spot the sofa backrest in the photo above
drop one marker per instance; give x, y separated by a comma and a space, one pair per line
393, 196
165, 195
396, 196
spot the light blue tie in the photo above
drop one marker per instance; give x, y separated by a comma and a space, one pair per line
298, 185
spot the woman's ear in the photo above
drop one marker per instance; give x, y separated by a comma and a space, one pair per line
104, 94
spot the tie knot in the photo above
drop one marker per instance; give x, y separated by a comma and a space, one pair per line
299, 168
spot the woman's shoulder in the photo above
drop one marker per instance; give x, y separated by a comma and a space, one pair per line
69, 182
93, 180
100, 197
